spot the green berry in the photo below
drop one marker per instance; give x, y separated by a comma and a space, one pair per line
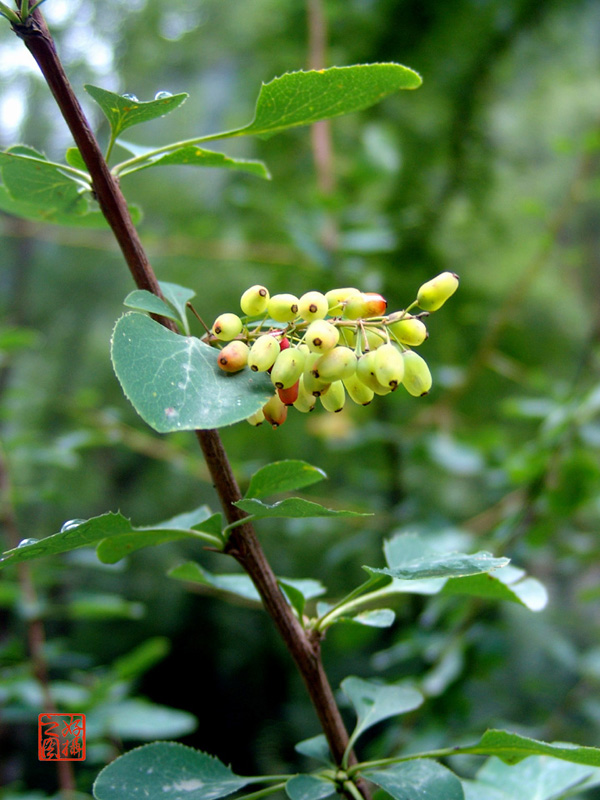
313, 305
358, 391
417, 378
365, 372
227, 326
287, 368
321, 336
334, 399
257, 418
255, 300
233, 357
433, 294
335, 365
283, 307
337, 297
305, 401
263, 353
275, 411
389, 366
407, 329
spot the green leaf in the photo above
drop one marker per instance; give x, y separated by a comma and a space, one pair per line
173, 381
240, 584
93, 218
410, 557
167, 771
418, 780
374, 702
194, 156
292, 508
509, 583
309, 787
294, 597
283, 476
143, 300
178, 296
301, 98
539, 777
377, 618
103, 607
316, 747
75, 159
512, 748
40, 183
141, 658
122, 112
139, 720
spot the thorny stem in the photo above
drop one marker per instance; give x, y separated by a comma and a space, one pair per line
243, 544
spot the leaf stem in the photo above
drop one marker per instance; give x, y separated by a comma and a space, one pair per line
266, 791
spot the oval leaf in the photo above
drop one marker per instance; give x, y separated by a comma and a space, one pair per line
41, 183
122, 112
173, 381
142, 300
292, 508
512, 748
374, 702
167, 771
194, 156
418, 780
300, 98
283, 476
316, 747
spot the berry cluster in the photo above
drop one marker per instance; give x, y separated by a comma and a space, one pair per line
326, 346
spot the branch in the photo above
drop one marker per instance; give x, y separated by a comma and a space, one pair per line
243, 543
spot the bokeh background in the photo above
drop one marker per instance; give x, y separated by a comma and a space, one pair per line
489, 170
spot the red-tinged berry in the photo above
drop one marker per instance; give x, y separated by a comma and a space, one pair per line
233, 357
417, 378
434, 293
283, 307
263, 353
227, 326
388, 366
284, 343
365, 305
275, 411
255, 300
335, 365
335, 398
321, 336
289, 396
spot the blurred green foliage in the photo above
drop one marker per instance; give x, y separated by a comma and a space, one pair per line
489, 170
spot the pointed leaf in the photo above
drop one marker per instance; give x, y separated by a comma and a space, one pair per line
374, 702
418, 780
539, 777
143, 300
512, 748
309, 787
115, 533
40, 183
441, 565
194, 156
301, 98
168, 771
283, 476
292, 508
173, 381
294, 597
122, 111
377, 618
509, 583
316, 747
178, 296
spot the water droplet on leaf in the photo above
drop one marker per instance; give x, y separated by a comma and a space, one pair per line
162, 95
131, 97
25, 542
71, 523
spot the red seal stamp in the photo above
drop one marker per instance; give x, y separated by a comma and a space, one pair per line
61, 737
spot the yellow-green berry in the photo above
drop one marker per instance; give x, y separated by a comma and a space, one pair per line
388, 366
417, 378
255, 300
227, 326
321, 336
287, 368
408, 330
283, 307
313, 305
335, 398
257, 418
358, 391
337, 297
335, 365
433, 294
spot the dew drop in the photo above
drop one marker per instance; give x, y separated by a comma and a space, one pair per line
131, 97
25, 542
71, 523
162, 95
